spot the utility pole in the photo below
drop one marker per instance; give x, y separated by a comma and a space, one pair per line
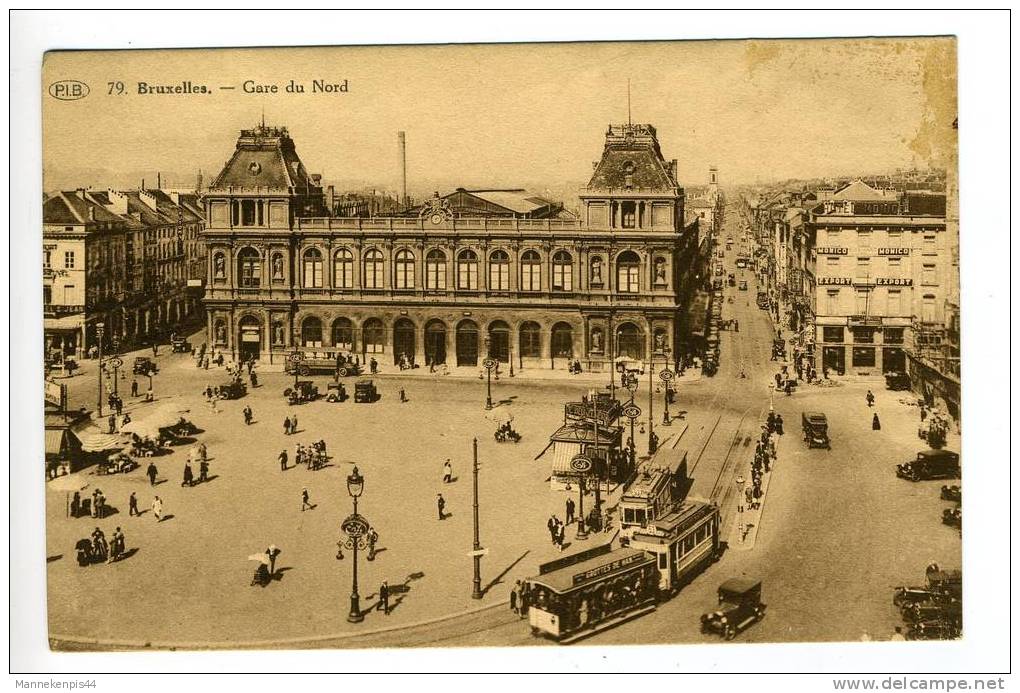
476, 590
99, 338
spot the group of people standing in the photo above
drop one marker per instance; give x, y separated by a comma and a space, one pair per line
557, 531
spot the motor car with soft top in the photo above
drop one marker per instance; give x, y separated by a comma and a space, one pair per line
931, 464
740, 606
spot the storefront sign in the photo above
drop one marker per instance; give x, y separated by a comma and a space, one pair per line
893, 281
837, 281
53, 393
831, 251
894, 251
607, 568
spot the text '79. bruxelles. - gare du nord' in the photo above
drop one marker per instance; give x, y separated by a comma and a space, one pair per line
758, 320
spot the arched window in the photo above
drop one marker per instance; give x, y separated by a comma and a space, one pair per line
404, 270
531, 340
531, 271
630, 341
343, 334
343, 269
499, 271
311, 332
435, 270
311, 267
628, 272
249, 268
562, 341
563, 271
467, 270
373, 269
373, 336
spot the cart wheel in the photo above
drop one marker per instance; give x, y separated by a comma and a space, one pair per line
729, 633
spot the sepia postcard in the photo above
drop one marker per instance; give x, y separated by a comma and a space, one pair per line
533, 345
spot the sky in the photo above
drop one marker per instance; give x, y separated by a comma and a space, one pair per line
517, 114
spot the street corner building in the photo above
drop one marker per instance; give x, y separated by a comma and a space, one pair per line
117, 267
502, 273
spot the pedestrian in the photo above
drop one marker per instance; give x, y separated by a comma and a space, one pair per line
305, 502
551, 526
272, 552
779, 424
189, 476
151, 472
441, 506
876, 425
293, 424
403, 395
247, 415
771, 421
134, 388
447, 471
749, 497
374, 365
870, 398
76, 504
283, 460
513, 597
560, 536
203, 471
570, 511
155, 349
897, 634
111, 424
286, 426
157, 509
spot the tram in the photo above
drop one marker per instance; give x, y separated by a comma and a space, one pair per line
684, 542
659, 486
579, 595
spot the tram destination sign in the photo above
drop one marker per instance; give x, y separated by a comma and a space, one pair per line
606, 569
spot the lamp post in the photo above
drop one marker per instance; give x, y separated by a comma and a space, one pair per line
476, 582
666, 375
99, 338
740, 507
489, 364
652, 444
355, 530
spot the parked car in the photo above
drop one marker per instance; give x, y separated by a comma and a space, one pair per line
235, 389
897, 381
740, 606
365, 391
144, 366
303, 391
931, 464
180, 345
953, 517
952, 493
743, 285
335, 392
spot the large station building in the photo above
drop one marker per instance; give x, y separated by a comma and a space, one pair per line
442, 287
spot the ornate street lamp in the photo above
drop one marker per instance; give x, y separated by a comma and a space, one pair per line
666, 375
355, 531
99, 338
490, 365
740, 507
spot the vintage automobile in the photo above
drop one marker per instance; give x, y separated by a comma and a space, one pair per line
144, 366
731, 279
931, 464
235, 389
952, 493
739, 606
897, 381
741, 262
816, 430
303, 391
743, 285
906, 596
953, 517
180, 345
335, 392
365, 391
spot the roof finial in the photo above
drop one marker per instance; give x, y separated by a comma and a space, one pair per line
628, 102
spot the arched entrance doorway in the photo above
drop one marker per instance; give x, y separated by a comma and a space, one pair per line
435, 342
467, 343
249, 342
562, 345
403, 340
630, 341
499, 341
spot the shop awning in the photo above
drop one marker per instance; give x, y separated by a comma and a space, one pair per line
562, 454
94, 440
55, 441
68, 323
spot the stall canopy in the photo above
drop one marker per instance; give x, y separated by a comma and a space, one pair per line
149, 423
94, 440
56, 442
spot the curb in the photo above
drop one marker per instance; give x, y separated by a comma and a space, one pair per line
55, 639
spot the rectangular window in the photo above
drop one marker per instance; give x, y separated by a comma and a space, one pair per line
405, 275
862, 301
563, 277
832, 304
47, 295
892, 335
628, 212
46, 259
247, 213
628, 279
313, 274
832, 334
863, 268
892, 307
832, 262
864, 357
531, 276
895, 234
928, 245
467, 275
435, 275
864, 239
499, 276
928, 275
69, 295
864, 335
895, 267
69, 259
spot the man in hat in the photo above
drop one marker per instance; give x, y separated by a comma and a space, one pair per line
441, 506
283, 460
384, 598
